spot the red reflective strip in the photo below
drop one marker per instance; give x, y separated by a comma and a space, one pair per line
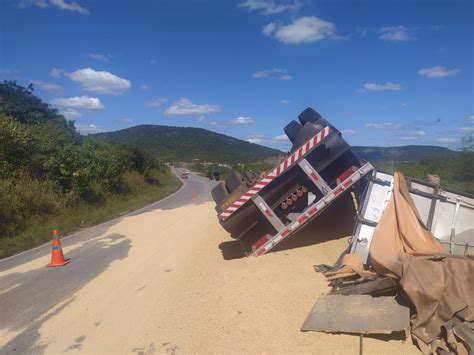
268, 213
260, 242
293, 159
306, 147
260, 252
278, 170
345, 174
302, 218
313, 210
314, 176
338, 190
285, 233
285, 164
347, 183
300, 152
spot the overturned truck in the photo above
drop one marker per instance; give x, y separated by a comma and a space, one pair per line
261, 212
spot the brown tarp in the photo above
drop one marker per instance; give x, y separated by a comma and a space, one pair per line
441, 288
399, 231
439, 285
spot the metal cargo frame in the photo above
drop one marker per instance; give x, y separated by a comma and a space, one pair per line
449, 214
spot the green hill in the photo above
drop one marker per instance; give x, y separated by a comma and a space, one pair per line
408, 153
187, 143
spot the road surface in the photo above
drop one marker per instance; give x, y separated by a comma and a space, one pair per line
168, 279
24, 297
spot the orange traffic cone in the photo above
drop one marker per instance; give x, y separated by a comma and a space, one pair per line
57, 256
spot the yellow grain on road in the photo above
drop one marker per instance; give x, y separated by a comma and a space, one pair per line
175, 293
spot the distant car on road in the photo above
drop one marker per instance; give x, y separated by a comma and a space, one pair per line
184, 175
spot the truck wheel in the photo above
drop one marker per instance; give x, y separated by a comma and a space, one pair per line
234, 181
219, 193
292, 129
309, 115
249, 178
308, 131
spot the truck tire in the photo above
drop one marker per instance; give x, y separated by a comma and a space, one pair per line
219, 193
250, 178
309, 130
309, 115
292, 129
234, 181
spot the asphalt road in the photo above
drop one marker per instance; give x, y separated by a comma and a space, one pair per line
26, 296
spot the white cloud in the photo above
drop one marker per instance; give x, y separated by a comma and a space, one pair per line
89, 128
101, 82
384, 125
348, 132
438, 72
46, 86
156, 102
415, 135
447, 140
268, 7
98, 56
269, 29
467, 129
255, 140
241, 121
185, 107
471, 118
9, 73
70, 6
70, 114
56, 72
215, 124
285, 77
79, 102
396, 33
380, 87
125, 120
302, 30
282, 138
38, 3
144, 87
274, 73
285, 101
60, 4
237, 121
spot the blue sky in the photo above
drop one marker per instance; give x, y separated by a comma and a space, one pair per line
384, 72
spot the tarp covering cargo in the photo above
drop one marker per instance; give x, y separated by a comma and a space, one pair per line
440, 286
399, 231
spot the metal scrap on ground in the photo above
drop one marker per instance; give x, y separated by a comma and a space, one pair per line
360, 314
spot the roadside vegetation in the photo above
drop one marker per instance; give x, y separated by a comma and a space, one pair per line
225, 170
53, 177
456, 172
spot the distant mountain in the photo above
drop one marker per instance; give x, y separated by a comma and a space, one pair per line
187, 143
408, 153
